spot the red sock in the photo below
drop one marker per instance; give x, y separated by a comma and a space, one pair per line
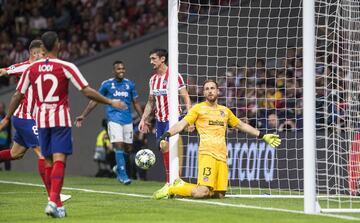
5, 155
41, 169
166, 165
57, 179
47, 179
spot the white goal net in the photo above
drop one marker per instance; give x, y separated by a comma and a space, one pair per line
253, 48
338, 103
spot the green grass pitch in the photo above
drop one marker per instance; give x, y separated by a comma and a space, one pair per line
105, 200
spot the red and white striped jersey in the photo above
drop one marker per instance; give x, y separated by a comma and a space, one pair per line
27, 106
159, 89
50, 78
17, 69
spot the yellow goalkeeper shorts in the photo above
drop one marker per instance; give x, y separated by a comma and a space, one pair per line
212, 173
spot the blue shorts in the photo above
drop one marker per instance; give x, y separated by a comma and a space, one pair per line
55, 140
160, 129
26, 133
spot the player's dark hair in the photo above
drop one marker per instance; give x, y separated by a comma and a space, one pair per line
160, 53
49, 39
118, 62
210, 80
36, 43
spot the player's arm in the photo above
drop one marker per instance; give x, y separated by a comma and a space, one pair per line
14, 103
246, 128
94, 95
185, 97
3, 72
175, 129
149, 107
90, 106
178, 127
272, 139
137, 106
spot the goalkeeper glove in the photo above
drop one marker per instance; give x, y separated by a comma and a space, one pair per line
163, 140
271, 139
165, 136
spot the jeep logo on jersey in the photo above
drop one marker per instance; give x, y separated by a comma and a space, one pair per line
160, 92
121, 93
45, 68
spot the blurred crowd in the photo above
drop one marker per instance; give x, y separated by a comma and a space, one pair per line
266, 94
269, 93
85, 27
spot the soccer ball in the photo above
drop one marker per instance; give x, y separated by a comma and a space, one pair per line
145, 159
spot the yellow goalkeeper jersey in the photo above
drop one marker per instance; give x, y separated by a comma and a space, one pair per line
211, 123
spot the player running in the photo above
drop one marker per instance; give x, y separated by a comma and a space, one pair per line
26, 135
49, 78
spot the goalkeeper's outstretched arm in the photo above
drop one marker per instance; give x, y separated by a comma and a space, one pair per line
272, 139
246, 128
175, 129
178, 127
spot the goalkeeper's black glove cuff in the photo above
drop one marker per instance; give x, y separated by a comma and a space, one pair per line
165, 136
261, 135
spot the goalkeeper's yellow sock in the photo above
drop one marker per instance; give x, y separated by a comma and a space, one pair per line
184, 190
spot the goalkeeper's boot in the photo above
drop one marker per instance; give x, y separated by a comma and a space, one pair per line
162, 193
178, 182
61, 212
51, 210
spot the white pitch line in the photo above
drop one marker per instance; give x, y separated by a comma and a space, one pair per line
189, 200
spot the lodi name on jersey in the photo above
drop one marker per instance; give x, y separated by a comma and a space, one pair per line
45, 68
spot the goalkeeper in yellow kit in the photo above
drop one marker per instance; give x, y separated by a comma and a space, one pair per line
211, 120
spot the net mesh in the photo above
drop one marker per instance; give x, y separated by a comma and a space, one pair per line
254, 51
337, 102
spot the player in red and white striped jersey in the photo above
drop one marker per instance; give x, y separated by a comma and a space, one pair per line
26, 135
50, 79
26, 108
19, 68
158, 85
158, 99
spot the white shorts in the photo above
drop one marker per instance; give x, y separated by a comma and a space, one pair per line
120, 133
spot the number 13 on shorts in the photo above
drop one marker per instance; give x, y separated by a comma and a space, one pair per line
212, 173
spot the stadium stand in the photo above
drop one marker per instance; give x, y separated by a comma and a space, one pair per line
85, 27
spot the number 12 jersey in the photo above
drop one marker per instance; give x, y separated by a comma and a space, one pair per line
49, 79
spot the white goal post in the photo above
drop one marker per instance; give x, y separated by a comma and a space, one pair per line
289, 67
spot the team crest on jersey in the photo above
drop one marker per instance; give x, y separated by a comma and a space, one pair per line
112, 86
127, 87
222, 113
206, 179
